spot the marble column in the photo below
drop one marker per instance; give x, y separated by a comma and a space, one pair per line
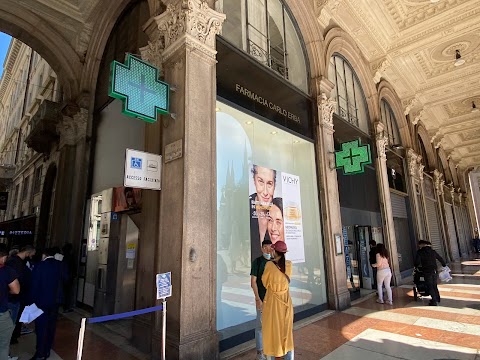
439, 184
186, 243
381, 141
71, 182
338, 294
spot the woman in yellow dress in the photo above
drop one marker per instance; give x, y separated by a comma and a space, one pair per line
277, 315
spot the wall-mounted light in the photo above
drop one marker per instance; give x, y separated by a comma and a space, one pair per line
474, 107
458, 58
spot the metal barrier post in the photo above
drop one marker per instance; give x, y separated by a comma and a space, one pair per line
164, 326
80, 339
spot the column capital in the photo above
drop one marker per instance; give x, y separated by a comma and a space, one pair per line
420, 170
324, 86
188, 21
438, 178
382, 142
412, 160
326, 108
72, 126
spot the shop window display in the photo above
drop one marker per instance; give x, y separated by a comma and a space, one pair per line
266, 188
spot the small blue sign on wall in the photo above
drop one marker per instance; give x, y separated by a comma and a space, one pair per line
135, 163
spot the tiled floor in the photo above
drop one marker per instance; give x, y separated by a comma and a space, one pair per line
367, 330
407, 330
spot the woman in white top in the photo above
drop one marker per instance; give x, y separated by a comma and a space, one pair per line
384, 274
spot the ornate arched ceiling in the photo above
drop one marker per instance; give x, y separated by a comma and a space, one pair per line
411, 44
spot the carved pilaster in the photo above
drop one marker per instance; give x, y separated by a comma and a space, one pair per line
409, 106
420, 116
73, 126
381, 140
438, 179
190, 22
326, 108
412, 161
420, 169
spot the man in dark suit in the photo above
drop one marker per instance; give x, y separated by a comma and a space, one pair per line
47, 294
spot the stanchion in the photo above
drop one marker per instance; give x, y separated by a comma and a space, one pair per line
81, 335
164, 327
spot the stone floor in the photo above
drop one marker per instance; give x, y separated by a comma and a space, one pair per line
407, 330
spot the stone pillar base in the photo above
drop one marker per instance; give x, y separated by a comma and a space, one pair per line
342, 301
203, 347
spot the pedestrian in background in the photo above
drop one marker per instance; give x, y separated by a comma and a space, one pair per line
16, 303
8, 285
47, 294
373, 260
277, 316
426, 259
259, 290
384, 274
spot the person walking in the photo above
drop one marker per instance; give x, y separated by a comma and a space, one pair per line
8, 285
46, 293
426, 259
384, 274
277, 316
256, 273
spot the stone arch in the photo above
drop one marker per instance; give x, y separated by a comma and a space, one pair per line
103, 28
338, 41
37, 33
304, 14
425, 138
442, 156
386, 91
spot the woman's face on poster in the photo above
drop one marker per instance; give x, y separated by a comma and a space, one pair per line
264, 184
275, 224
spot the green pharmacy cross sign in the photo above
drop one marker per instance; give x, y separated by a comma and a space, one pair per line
353, 157
136, 84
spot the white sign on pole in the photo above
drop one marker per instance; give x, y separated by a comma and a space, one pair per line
164, 285
142, 170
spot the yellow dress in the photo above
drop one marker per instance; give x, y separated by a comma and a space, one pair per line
277, 315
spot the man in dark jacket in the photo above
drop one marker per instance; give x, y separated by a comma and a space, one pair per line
426, 259
17, 303
47, 294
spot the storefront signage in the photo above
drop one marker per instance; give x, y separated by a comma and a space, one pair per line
353, 157
136, 84
245, 82
142, 170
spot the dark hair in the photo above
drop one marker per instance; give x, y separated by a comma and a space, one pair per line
281, 262
372, 243
267, 242
3, 250
278, 202
424, 242
382, 250
27, 248
255, 172
50, 251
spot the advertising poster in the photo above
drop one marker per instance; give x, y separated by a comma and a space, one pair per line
275, 211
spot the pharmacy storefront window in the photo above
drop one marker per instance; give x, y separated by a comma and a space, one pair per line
266, 189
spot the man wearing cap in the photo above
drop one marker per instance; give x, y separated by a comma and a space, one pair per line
258, 267
426, 258
8, 285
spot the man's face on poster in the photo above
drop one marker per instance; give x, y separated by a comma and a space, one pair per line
275, 224
264, 184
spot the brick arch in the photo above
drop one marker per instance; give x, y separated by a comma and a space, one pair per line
386, 91
338, 41
422, 133
37, 33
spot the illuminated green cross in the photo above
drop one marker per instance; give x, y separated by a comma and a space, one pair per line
353, 157
136, 84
